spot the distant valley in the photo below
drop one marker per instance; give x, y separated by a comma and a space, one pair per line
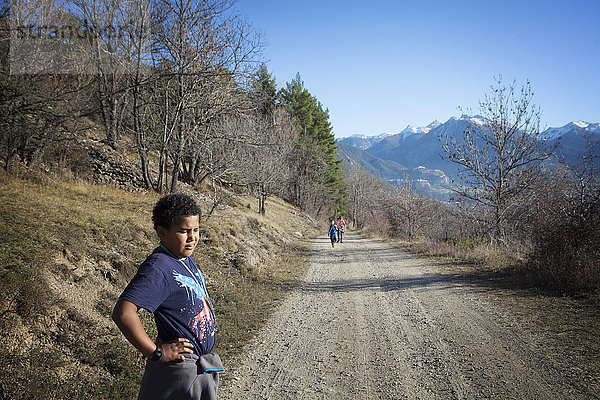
414, 155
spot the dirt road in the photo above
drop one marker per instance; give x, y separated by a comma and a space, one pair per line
372, 322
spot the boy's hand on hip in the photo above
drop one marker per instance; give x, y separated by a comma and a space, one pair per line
175, 350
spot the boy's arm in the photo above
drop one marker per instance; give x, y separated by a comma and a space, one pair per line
125, 315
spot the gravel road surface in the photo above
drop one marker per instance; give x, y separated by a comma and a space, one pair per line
370, 321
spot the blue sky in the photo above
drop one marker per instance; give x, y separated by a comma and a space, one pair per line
380, 65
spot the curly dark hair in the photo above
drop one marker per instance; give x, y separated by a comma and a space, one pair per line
170, 208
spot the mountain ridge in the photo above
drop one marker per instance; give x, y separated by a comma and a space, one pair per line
548, 134
416, 147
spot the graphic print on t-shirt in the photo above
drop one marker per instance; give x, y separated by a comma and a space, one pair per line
191, 285
200, 316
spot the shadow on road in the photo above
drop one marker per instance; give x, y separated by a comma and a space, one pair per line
438, 281
479, 281
386, 255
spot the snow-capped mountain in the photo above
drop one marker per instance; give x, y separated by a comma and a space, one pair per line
419, 151
413, 129
555, 133
574, 140
411, 132
363, 142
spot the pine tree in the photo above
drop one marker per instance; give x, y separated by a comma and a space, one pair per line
317, 150
264, 91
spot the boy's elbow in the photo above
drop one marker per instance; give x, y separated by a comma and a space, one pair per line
119, 313
116, 313
124, 310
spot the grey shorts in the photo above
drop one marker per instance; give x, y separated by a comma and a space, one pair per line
183, 380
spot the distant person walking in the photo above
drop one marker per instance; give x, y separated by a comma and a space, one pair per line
341, 225
332, 232
180, 364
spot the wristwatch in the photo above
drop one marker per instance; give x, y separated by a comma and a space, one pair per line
157, 354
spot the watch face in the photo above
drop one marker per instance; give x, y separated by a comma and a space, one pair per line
157, 354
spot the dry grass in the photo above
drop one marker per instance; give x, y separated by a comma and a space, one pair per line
481, 255
67, 250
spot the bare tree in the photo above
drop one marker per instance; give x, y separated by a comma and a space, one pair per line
409, 212
277, 160
363, 187
39, 88
500, 152
223, 117
585, 193
107, 25
202, 50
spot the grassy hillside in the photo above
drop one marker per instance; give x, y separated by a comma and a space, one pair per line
67, 249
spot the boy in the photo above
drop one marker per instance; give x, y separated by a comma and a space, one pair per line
332, 232
180, 364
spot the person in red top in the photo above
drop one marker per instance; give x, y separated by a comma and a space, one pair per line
341, 224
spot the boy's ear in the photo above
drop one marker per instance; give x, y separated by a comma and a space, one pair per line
161, 232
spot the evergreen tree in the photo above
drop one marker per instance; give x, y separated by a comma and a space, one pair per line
264, 91
300, 104
317, 149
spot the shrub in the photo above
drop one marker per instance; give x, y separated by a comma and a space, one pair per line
565, 237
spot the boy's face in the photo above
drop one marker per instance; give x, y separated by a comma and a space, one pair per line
181, 238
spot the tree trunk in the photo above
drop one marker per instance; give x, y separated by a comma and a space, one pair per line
262, 196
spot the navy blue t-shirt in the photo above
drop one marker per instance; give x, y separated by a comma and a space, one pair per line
175, 292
